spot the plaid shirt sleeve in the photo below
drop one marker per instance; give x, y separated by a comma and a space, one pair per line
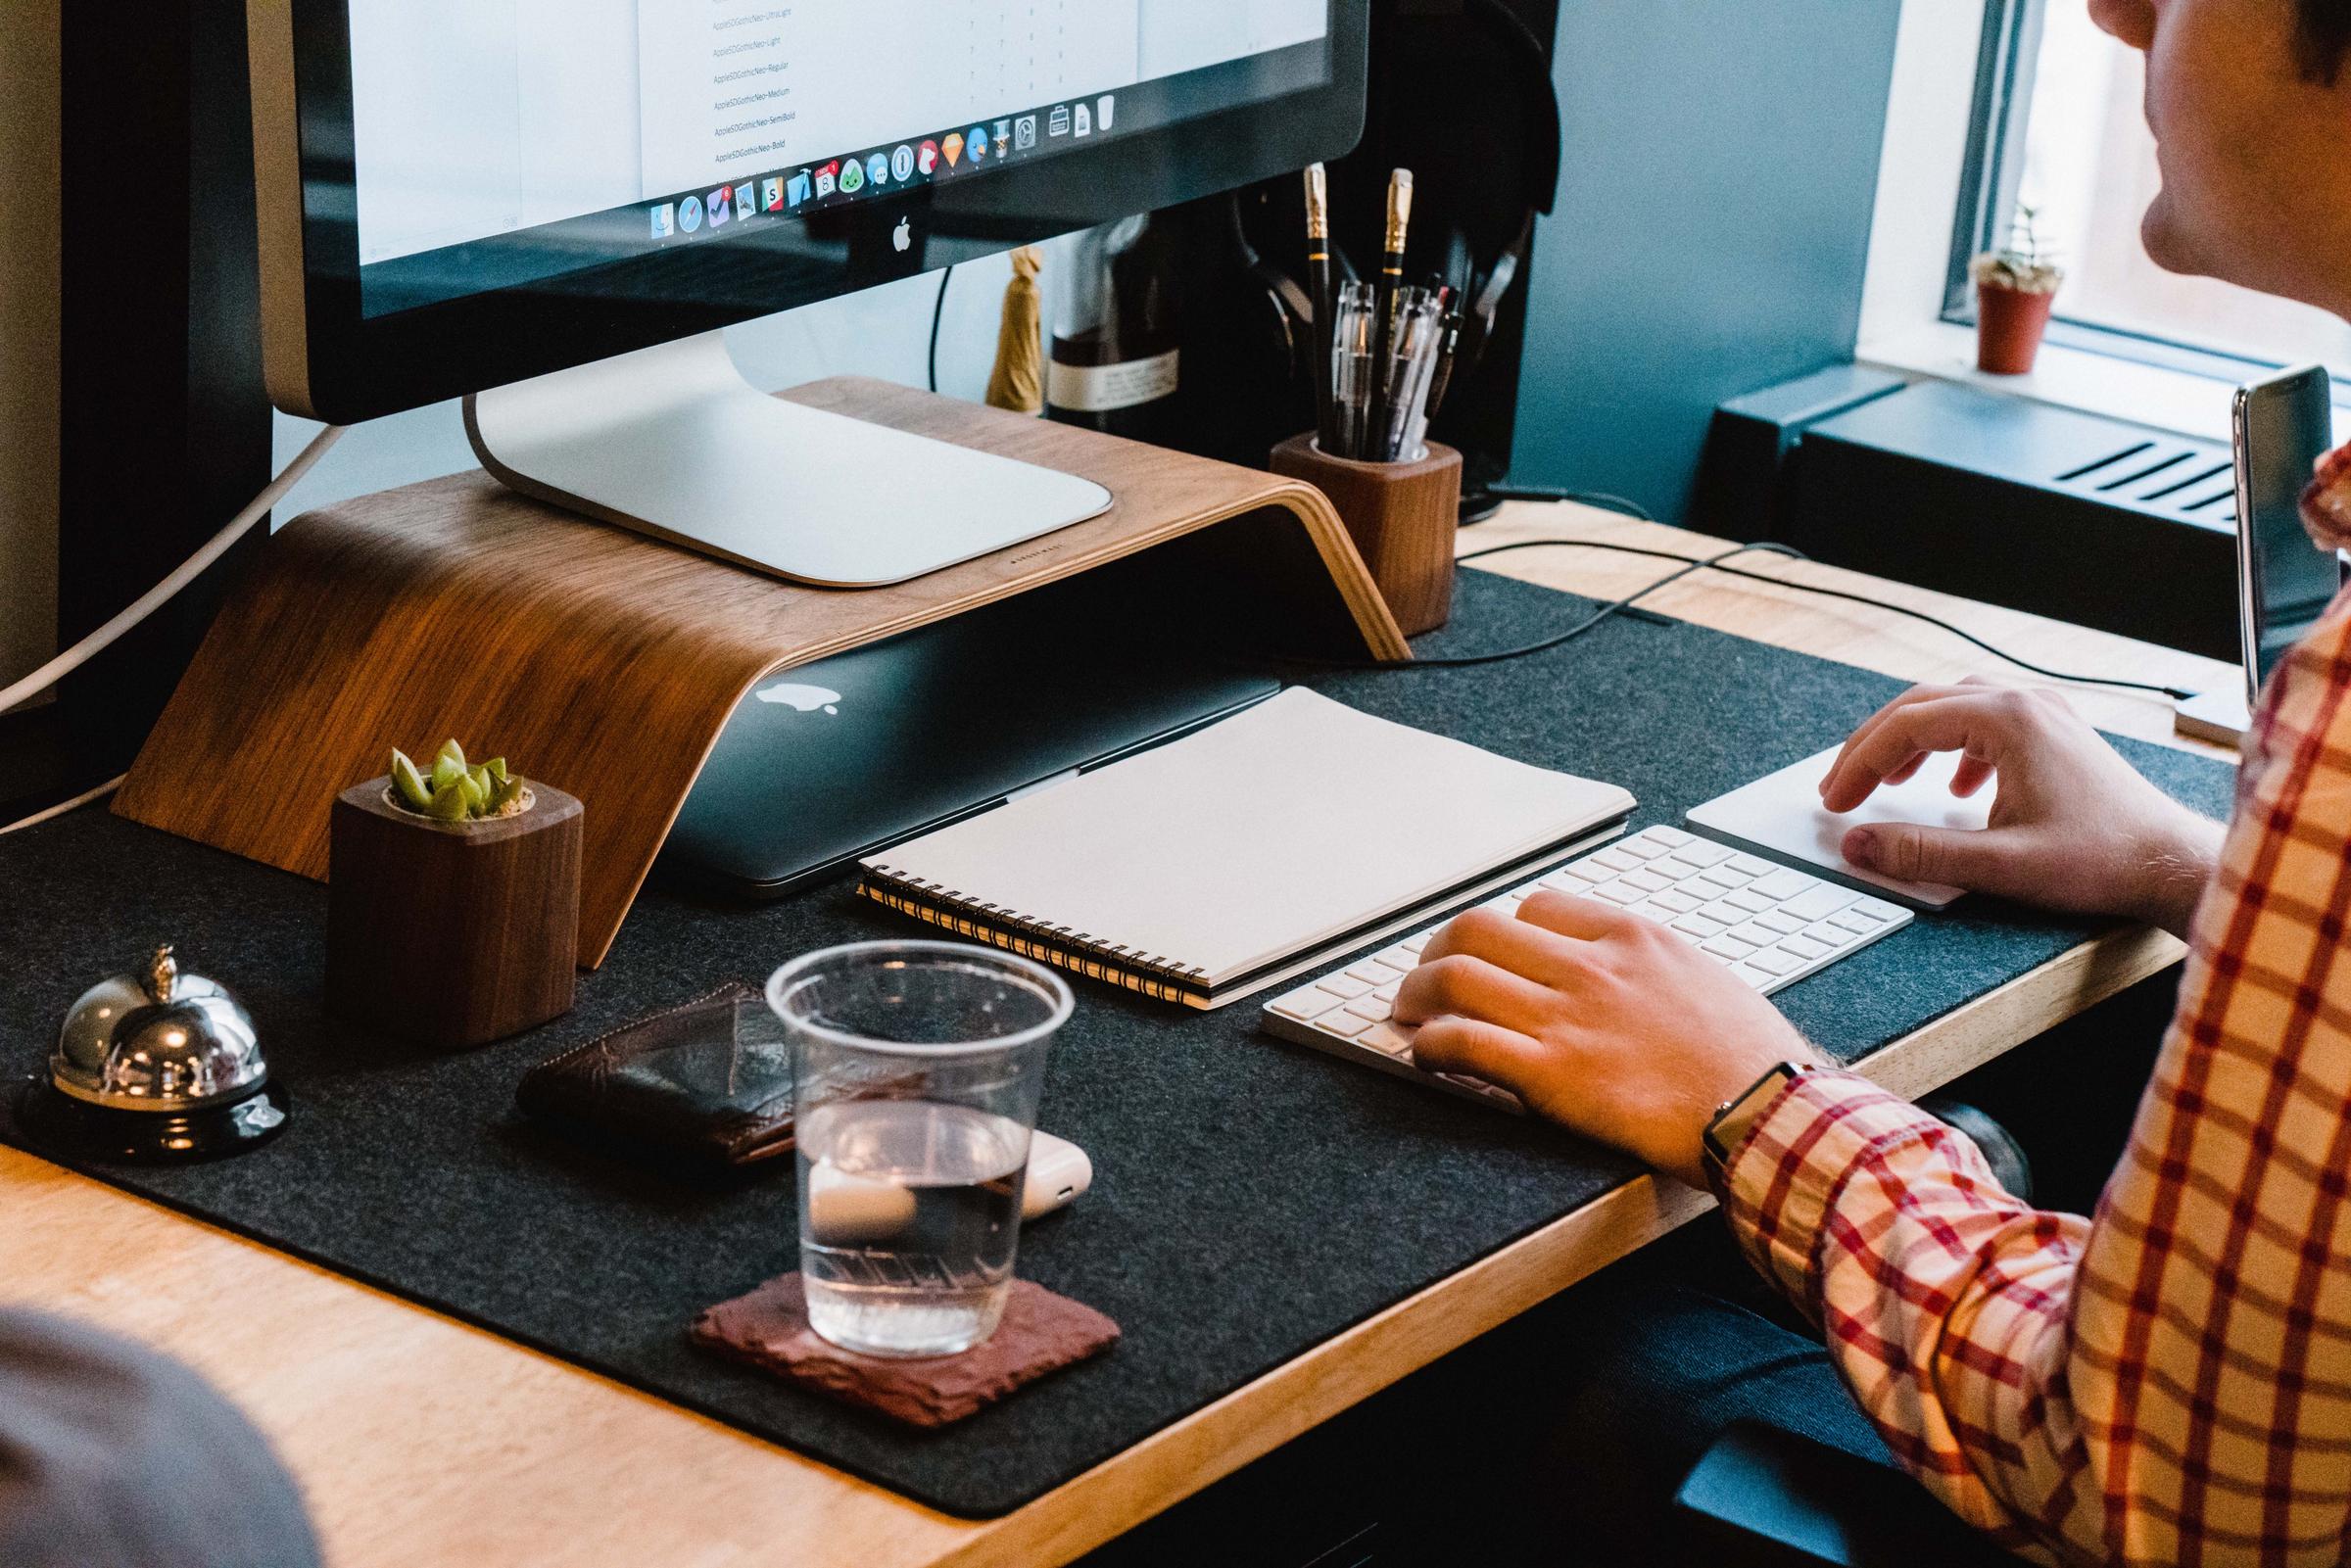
2170, 1381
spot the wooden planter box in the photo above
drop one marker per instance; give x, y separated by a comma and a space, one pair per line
452, 934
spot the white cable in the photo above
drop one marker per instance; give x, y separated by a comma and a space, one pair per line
147, 603
64, 806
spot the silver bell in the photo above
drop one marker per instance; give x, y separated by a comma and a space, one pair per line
158, 1041
159, 1066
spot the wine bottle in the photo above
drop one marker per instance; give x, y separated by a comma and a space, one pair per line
1115, 362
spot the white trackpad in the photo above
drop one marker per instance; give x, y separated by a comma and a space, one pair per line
1781, 814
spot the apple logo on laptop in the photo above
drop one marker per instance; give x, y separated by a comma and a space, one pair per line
800, 698
904, 237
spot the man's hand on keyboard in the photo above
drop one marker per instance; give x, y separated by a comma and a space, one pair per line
2074, 826
1598, 1019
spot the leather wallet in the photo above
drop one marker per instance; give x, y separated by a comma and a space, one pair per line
706, 1086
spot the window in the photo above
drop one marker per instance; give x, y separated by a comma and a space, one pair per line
2060, 129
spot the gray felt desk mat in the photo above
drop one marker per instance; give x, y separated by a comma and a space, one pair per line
1251, 1199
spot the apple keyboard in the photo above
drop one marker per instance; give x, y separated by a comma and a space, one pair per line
1770, 924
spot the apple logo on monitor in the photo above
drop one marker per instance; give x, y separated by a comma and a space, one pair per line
800, 698
903, 238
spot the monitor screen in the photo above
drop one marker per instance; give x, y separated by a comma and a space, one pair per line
500, 143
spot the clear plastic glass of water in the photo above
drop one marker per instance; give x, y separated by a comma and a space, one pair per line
916, 1070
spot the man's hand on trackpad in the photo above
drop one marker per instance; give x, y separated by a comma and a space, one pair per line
2073, 827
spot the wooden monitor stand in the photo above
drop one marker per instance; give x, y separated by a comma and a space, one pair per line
600, 661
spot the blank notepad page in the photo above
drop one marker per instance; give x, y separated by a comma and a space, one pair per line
1265, 835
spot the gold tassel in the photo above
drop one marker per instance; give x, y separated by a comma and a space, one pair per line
1018, 381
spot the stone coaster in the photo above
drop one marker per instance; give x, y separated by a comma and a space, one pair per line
1040, 1333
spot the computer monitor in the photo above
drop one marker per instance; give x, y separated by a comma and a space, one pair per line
550, 206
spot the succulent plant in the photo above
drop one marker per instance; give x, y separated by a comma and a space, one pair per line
2024, 265
453, 791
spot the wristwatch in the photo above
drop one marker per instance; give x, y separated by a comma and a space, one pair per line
1734, 1116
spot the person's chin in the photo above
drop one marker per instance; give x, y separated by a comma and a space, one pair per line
2167, 241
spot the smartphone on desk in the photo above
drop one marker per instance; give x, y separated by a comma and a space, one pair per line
2281, 427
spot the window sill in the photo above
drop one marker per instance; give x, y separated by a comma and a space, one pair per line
2069, 378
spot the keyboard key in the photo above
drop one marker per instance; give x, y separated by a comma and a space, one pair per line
1783, 883
1400, 958
1724, 877
1413, 943
1703, 852
1761, 979
1724, 911
1805, 948
1373, 972
1651, 909
1478, 1086
1347, 986
1879, 908
1771, 961
1852, 920
1671, 838
1819, 903
1754, 867
1830, 934
1700, 927
1614, 858
1617, 894
1721, 948
1755, 935
1375, 1007
1675, 866
1388, 1040
1644, 848
1647, 882
1387, 992
1753, 902
1679, 902
1306, 1002
1780, 921
1343, 1023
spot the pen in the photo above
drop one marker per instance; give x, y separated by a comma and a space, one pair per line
1325, 303
1448, 351
1388, 288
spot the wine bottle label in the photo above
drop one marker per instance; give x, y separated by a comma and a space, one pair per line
1104, 388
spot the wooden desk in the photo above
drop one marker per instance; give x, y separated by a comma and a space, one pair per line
420, 1441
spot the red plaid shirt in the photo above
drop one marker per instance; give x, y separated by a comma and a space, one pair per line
2169, 1382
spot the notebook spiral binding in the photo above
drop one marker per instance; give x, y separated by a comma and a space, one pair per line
1150, 973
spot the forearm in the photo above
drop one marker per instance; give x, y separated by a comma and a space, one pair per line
1937, 1290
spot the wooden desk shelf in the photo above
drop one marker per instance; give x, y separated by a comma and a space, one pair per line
602, 662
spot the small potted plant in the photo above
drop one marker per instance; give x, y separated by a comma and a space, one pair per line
2015, 288
453, 901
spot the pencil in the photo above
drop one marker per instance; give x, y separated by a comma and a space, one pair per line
1389, 286
1325, 303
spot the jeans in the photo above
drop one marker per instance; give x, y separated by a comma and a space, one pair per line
1608, 1396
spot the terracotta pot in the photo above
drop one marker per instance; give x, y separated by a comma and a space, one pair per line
2008, 328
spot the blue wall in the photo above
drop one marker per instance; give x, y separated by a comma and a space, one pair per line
1712, 227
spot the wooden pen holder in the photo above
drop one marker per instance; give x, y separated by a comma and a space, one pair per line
1402, 516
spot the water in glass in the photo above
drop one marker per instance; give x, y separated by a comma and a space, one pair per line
910, 1219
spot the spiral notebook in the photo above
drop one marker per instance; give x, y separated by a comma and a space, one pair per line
1246, 852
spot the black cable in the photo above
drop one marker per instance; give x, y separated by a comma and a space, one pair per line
1505, 490
938, 314
1467, 660
2174, 693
